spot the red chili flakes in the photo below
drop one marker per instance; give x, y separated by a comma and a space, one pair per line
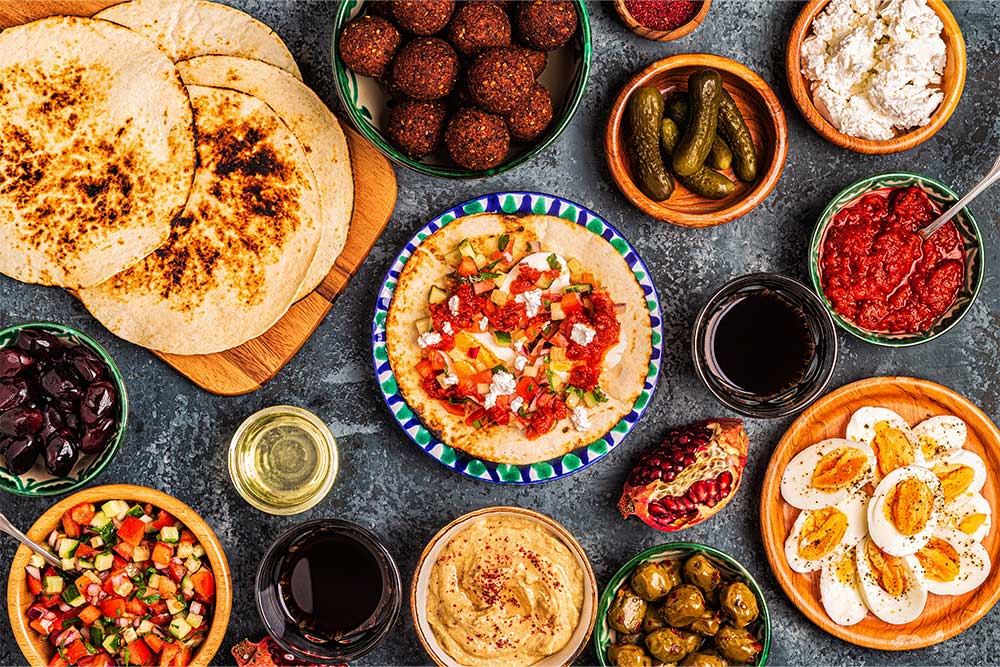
662, 14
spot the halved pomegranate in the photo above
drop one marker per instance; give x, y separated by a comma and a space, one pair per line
688, 477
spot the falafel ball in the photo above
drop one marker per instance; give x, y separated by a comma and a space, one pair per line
500, 79
415, 126
426, 68
546, 24
537, 59
477, 26
531, 119
476, 139
368, 44
422, 17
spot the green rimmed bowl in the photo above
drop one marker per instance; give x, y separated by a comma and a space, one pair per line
365, 101
944, 197
37, 482
730, 568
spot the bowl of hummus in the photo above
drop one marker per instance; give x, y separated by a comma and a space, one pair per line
503, 586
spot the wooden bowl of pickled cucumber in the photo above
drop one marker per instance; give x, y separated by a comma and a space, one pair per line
717, 196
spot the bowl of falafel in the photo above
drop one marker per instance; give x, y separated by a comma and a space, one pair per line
464, 89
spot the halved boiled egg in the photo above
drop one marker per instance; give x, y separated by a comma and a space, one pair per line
891, 586
888, 435
961, 473
822, 535
824, 474
840, 590
970, 514
953, 563
904, 510
941, 434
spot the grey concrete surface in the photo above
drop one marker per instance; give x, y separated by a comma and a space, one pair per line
178, 435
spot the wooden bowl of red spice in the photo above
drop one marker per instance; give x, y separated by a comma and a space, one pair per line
662, 20
470, 600
764, 118
878, 279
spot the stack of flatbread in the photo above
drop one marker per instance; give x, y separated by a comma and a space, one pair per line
164, 160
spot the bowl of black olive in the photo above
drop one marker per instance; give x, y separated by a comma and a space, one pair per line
63, 409
682, 603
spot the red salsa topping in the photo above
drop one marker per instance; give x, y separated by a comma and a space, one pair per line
877, 271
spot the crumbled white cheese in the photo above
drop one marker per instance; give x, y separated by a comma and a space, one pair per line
532, 300
582, 334
516, 403
876, 65
446, 327
429, 338
453, 304
581, 422
503, 385
449, 380
483, 323
520, 361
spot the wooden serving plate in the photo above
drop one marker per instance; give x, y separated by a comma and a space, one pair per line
246, 368
915, 400
36, 650
953, 82
760, 109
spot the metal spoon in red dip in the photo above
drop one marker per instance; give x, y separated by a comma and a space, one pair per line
879, 273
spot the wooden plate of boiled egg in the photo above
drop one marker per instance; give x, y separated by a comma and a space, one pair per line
877, 513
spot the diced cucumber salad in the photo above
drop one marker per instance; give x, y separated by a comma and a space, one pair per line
135, 588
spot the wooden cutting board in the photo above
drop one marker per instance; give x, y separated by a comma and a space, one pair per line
246, 368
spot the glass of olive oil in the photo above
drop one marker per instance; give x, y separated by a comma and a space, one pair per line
283, 460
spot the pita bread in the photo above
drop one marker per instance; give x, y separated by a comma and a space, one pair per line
96, 150
188, 28
238, 253
621, 383
312, 123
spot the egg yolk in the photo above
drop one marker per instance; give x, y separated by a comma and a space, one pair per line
892, 448
929, 446
955, 479
908, 505
889, 571
971, 523
846, 568
939, 560
821, 532
839, 469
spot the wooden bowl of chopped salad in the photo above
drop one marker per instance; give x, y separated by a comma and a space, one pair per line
144, 581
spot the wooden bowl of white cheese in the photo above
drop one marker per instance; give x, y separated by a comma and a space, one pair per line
876, 77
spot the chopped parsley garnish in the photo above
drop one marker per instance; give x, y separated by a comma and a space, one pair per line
553, 262
502, 242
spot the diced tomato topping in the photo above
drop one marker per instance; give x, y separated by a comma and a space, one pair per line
425, 369
49, 600
57, 660
482, 377
154, 642
164, 520
98, 660
34, 585
135, 607
167, 587
113, 607
437, 361
453, 408
483, 286
162, 553
467, 267
187, 537
475, 416
139, 653
132, 530
75, 651
70, 527
176, 571
84, 550
571, 303
90, 614
526, 388
204, 584
124, 550
83, 513
169, 653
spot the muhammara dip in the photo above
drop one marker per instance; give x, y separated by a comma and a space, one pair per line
504, 591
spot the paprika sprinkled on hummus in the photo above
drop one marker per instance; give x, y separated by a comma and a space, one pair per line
504, 591
879, 274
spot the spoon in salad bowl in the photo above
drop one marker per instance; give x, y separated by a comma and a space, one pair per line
7, 527
991, 177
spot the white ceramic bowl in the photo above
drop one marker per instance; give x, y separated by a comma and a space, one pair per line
418, 590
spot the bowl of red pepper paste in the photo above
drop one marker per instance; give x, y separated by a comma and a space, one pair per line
880, 280
662, 20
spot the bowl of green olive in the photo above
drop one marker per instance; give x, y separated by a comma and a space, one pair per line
682, 603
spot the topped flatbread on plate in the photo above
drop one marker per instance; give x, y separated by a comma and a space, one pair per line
518, 339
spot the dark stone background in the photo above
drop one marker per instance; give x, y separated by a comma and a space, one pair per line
178, 435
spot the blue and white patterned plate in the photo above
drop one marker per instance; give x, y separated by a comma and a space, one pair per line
516, 203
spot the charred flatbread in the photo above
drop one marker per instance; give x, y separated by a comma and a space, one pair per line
518, 339
96, 150
242, 247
